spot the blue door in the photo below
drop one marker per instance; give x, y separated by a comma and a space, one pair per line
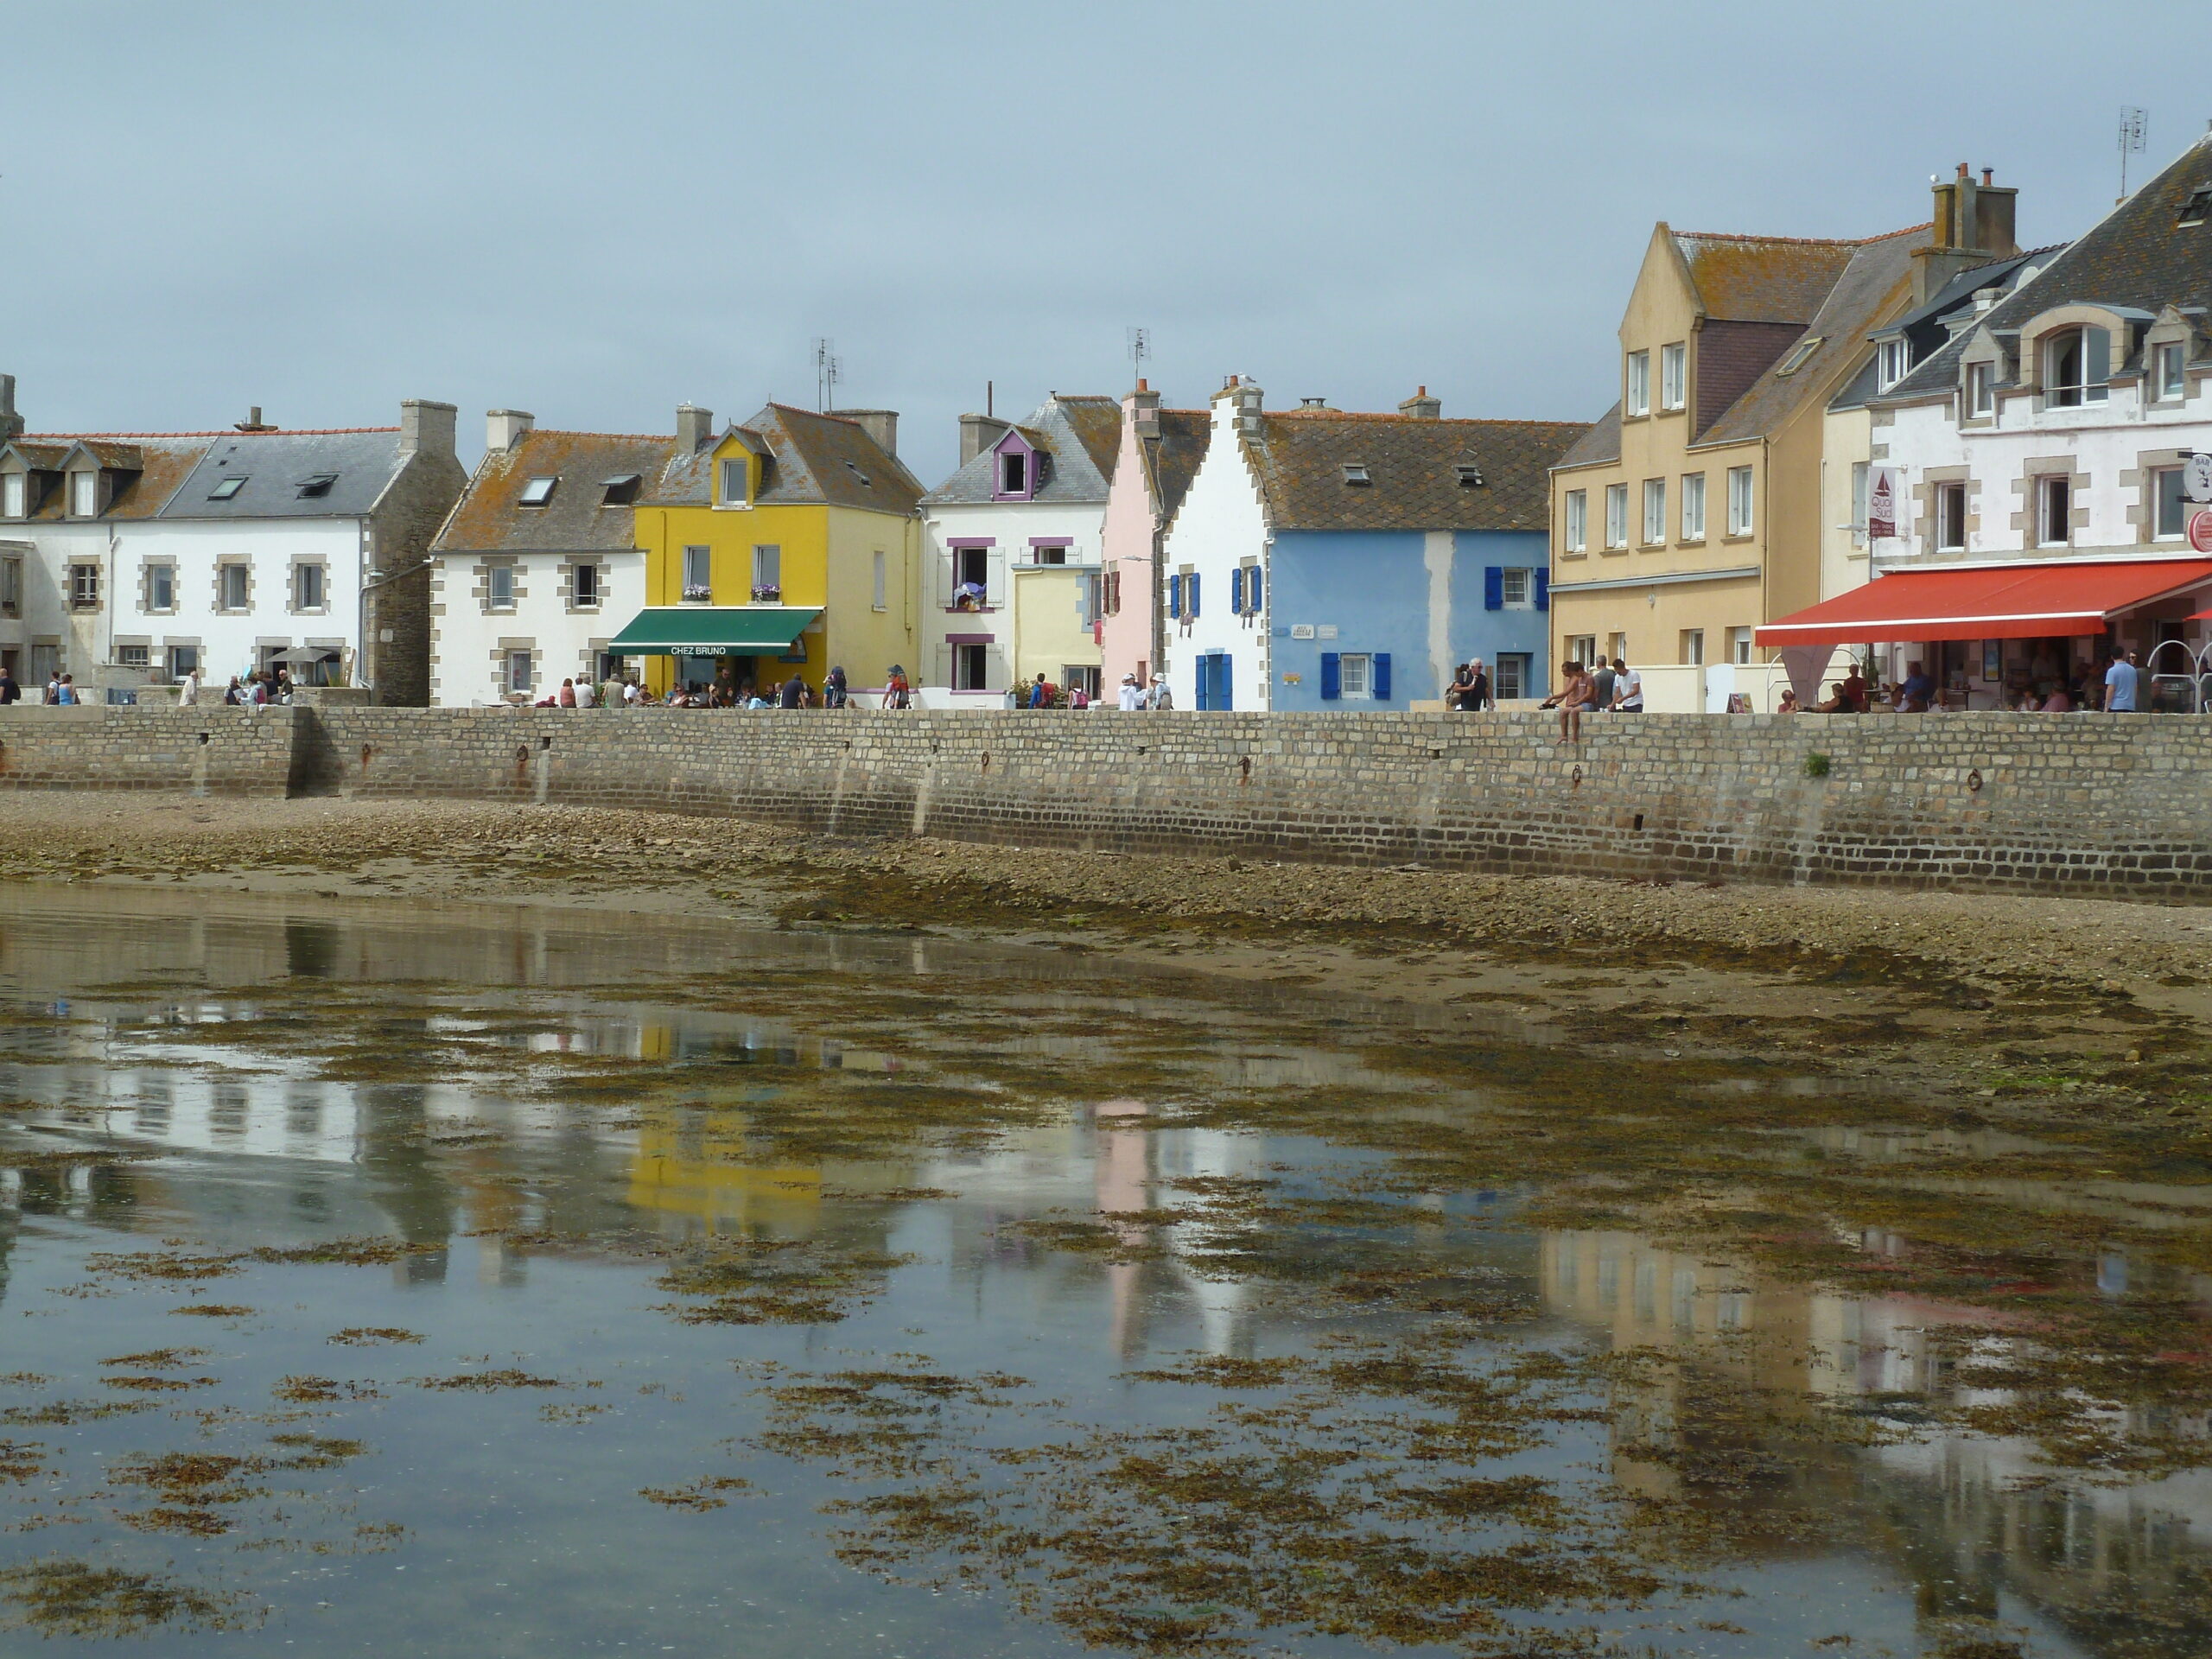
1213, 681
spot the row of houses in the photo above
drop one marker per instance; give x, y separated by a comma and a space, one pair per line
1931, 445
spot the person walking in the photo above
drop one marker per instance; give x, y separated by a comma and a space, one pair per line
1161, 697
836, 694
1628, 689
1479, 694
188, 693
9, 691
53, 689
2120, 683
610, 689
1130, 698
793, 695
66, 695
1038, 696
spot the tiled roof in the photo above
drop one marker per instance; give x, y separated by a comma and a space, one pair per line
1761, 278
2136, 255
812, 458
490, 518
1599, 444
1173, 461
1413, 465
1081, 433
150, 469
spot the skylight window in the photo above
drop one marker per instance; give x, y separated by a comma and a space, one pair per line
317, 484
1356, 472
1799, 354
1470, 477
538, 492
229, 488
2198, 208
621, 491
856, 472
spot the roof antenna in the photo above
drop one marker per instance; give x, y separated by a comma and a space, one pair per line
828, 370
1140, 349
2135, 131
989, 386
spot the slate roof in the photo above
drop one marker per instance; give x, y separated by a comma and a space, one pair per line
1172, 462
1413, 465
2136, 255
1600, 444
1081, 432
1761, 278
490, 518
812, 458
154, 466
359, 464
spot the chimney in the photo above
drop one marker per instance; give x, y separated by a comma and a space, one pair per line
1144, 405
882, 424
11, 424
693, 426
503, 428
253, 422
1313, 403
1421, 406
426, 427
1973, 224
1250, 400
977, 434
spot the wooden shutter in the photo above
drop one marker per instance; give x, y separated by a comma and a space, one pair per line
1379, 673
1493, 587
1175, 596
1540, 581
1236, 591
1333, 676
1191, 594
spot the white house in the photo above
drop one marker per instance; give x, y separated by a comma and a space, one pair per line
2026, 493
538, 566
129, 559
1012, 544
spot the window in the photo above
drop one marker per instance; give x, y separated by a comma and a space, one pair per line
84, 494
1892, 361
1245, 590
1739, 646
1616, 515
518, 672
1190, 595
1048, 554
234, 587
500, 586
2172, 511
699, 573
1510, 680
1356, 472
307, 586
2196, 209
1617, 646
316, 485
587, 586
1862, 477
1514, 589
1113, 592
1693, 506
2167, 383
971, 568
224, 490
11, 587
1673, 376
538, 492
1013, 473
1578, 521
1693, 648
1581, 648
161, 587
14, 493
620, 491
1655, 510
969, 669
1950, 518
84, 587
737, 482
1798, 356
857, 473
134, 655
1352, 678
880, 591
1639, 382
183, 659
1079, 677
2055, 510
1470, 477
768, 573
2076, 363
1739, 501
1981, 389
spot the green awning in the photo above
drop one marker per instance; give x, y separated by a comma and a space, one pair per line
711, 630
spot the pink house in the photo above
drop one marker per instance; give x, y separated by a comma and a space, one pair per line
1160, 452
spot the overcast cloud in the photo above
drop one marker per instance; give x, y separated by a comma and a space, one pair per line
598, 212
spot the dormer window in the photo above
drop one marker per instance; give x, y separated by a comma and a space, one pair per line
1013, 473
2076, 364
1894, 361
621, 492
1639, 382
1673, 376
1471, 478
1798, 355
2168, 362
14, 495
1356, 472
316, 486
538, 492
737, 483
223, 491
2198, 208
84, 495
1981, 390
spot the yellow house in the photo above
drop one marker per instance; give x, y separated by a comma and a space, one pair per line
788, 542
1692, 513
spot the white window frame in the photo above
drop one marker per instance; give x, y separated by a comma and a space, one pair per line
879, 578
244, 578
1354, 676
1673, 376
2045, 496
1743, 501
1654, 512
1580, 648
1690, 647
2159, 531
158, 570
516, 675
83, 585
1516, 587
596, 580
495, 578
300, 576
2171, 373
1638, 396
1981, 390
1577, 528
1892, 362
699, 571
1509, 675
84, 495
1009, 460
1739, 648
1693, 510
982, 661
14, 494
1949, 495
181, 660
767, 569
1862, 485
1617, 515
735, 469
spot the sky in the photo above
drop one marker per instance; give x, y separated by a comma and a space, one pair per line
596, 212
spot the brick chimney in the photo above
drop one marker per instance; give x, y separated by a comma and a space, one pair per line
1973, 224
503, 428
426, 427
882, 424
694, 428
1421, 406
977, 434
11, 424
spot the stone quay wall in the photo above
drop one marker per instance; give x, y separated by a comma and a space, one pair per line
2114, 805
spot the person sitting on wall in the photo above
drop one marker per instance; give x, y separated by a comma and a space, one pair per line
1570, 701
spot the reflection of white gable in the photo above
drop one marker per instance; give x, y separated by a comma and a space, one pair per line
250, 1116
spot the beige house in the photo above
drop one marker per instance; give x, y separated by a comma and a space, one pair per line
1694, 511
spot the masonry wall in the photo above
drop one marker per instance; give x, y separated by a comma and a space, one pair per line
2105, 805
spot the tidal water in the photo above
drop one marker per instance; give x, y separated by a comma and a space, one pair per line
490, 1283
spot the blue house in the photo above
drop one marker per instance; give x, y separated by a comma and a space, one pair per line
1325, 560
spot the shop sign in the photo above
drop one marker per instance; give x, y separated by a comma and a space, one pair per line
1882, 505
2200, 529
2197, 478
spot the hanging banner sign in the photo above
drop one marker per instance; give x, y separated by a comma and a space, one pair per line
2197, 478
1882, 487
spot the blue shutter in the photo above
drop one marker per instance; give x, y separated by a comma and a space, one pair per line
1190, 595
1379, 674
1333, 676
1493, 587
1540, 584
1175, 596
1222, 701
1255, 589
1236, 591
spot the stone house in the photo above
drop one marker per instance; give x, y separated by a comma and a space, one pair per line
1157, 455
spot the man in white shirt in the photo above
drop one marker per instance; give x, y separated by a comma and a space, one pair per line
1628, 689
1160, 697
586, 695
1130, 698
188, 693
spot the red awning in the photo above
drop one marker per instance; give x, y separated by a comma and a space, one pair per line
2010, 601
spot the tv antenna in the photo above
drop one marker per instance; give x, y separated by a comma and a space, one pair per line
2135, 131
1140, 349
828, 369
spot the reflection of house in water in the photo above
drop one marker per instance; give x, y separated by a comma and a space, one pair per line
2120, 1568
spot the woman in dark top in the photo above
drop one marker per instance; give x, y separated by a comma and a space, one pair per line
1477, 696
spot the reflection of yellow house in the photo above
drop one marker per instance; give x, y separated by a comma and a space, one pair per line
704, 1172
787, 543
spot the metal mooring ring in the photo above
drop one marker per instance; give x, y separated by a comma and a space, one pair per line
1974, 779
